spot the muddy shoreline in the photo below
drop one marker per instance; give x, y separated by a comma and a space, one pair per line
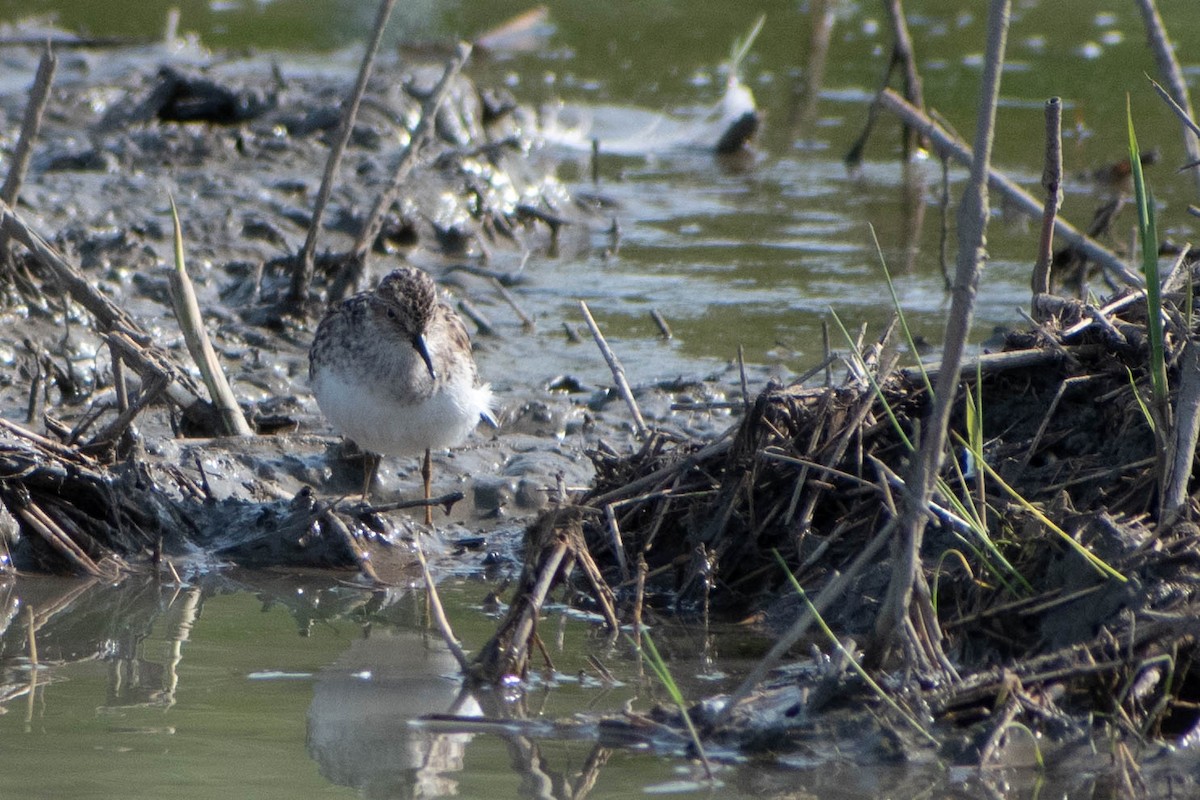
683, 519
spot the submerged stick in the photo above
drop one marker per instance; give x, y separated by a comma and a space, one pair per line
303, 272
1052, 183
949, 145
438, 612
191, 322
39, 95
618, 372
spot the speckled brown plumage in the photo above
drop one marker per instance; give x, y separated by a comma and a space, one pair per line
392, 369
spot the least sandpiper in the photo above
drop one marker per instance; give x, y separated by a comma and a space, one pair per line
392, 370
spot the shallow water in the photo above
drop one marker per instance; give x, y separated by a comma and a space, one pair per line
283, 685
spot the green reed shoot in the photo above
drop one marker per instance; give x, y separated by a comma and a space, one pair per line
663, 673
966, 513
850, 659
1148, 235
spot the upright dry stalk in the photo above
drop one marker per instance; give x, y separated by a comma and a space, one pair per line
904, 55
39, 95
1172, 74
894, 618
302, 274
191, 323
1052, 183
416, 139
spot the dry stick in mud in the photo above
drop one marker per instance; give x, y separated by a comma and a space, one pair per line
895, 621
618, 372
30, 125
374, 221
948, 145
903, 55
1052, 183
134, 344
1172, 74
303, 272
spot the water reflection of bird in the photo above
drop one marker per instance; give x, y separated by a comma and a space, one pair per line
358, 722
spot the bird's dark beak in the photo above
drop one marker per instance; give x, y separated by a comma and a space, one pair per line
423, 349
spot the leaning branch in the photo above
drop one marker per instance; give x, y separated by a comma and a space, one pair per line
947, 145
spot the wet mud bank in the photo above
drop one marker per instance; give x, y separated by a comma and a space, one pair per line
113, 456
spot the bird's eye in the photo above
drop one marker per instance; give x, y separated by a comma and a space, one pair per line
391, 312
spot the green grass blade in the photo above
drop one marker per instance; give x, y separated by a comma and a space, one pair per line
1098, 563
663, 673
1148, 233
862, 673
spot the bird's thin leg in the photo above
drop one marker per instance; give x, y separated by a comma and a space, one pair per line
427, 474
370, 467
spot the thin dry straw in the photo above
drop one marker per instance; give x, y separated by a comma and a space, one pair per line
618, 372
302, 275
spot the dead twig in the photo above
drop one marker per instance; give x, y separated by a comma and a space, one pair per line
374, 221
948, 145
303, 271
618, 371
1172, 74
39, 94
1052, 183
907, 581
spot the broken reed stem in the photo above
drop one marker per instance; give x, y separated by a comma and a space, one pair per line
57, 538
906, 579
1052, 183
663, 328
947, 144
374, 222
439, 613
134, 344
191, 323
39, 95
1172, 74
303, 271
618, 372
518, 653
